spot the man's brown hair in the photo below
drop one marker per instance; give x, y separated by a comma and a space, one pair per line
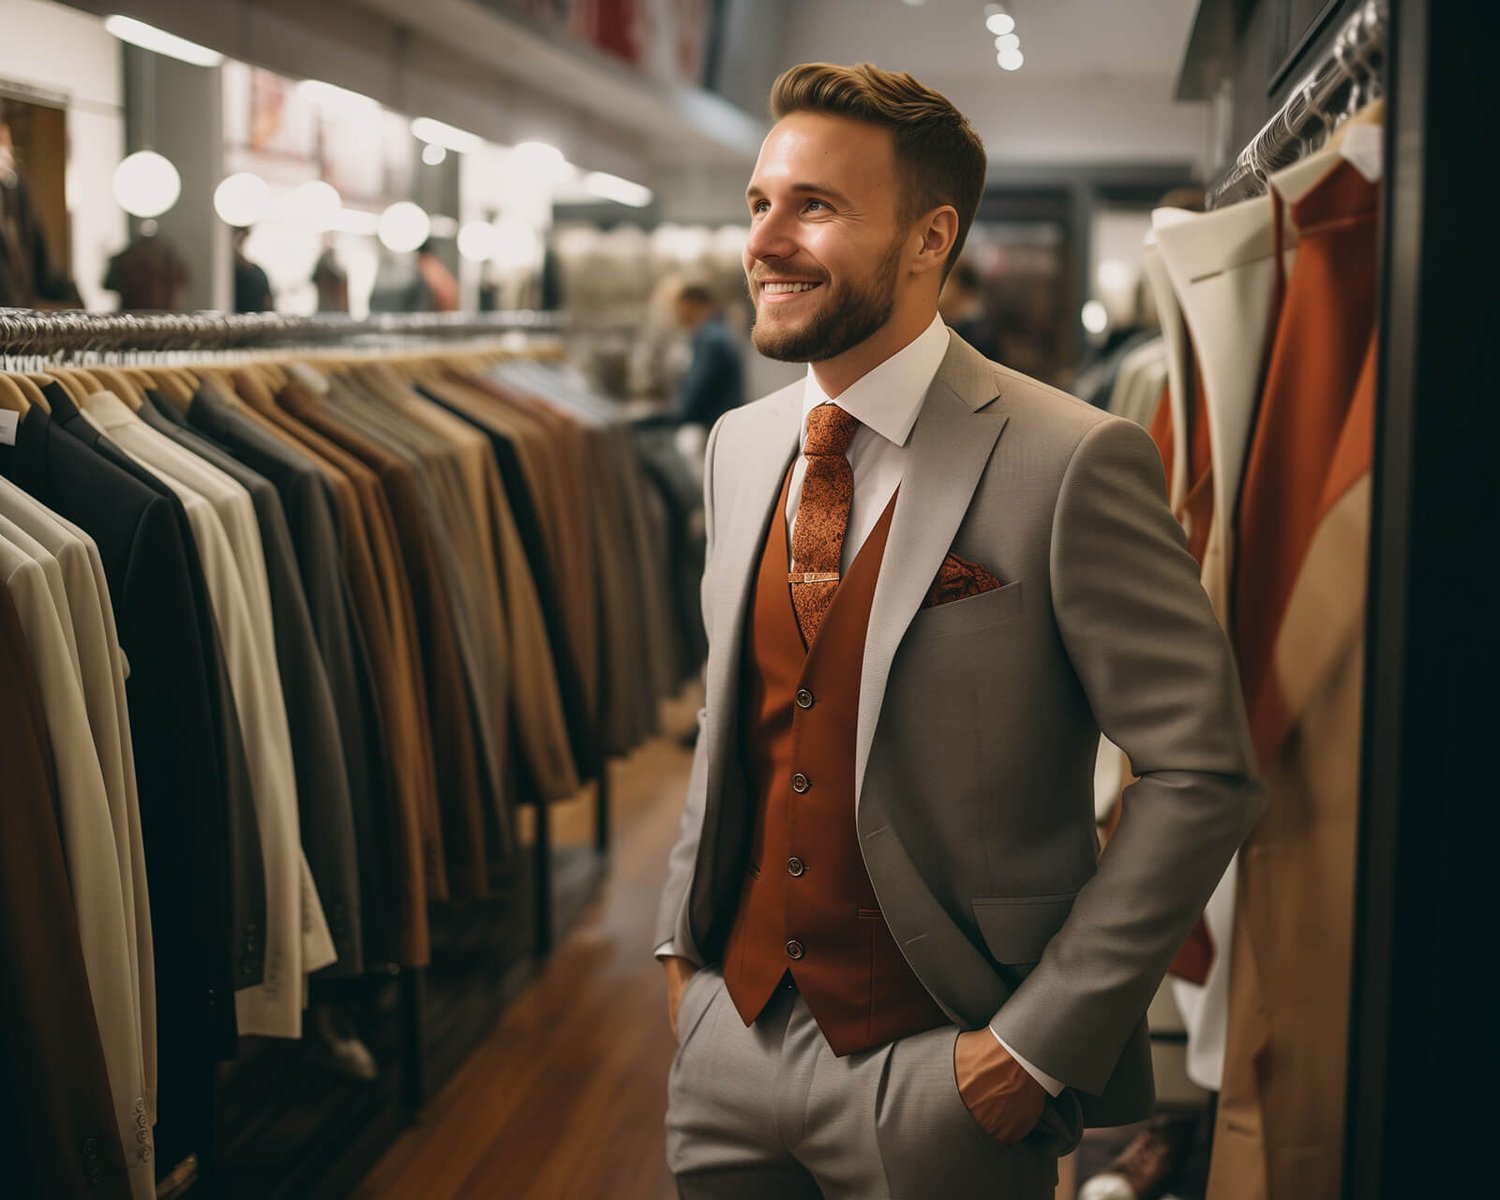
939, 156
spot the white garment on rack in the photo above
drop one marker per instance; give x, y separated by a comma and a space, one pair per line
297, 939
1140, 383
100, 899
102, 676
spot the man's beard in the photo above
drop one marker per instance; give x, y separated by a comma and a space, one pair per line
849, 315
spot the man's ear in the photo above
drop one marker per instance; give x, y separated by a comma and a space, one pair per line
938, 231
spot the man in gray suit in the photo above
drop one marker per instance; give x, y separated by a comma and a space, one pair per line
897, 963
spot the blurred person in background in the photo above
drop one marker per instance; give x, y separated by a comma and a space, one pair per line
28, 278
964, 309
437, 280
715, 380
252, 288
149, 275
332, 282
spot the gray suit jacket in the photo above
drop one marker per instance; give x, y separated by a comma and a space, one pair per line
979, 720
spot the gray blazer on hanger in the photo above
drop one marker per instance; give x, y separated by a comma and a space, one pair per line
979, 721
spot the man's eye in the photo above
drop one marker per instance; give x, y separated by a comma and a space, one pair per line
811, 204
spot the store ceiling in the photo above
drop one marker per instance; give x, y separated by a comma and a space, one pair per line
1097, 84
941, 41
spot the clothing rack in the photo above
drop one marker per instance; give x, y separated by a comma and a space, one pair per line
420, 1023
60, 335
71, 336
1349, 73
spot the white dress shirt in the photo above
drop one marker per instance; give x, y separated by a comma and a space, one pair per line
886, 402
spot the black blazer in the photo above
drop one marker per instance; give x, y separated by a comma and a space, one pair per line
324, 807
310, 517
203, 857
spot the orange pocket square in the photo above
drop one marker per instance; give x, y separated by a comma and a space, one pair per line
957, 579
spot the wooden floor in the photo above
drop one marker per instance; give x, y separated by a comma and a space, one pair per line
565, 1099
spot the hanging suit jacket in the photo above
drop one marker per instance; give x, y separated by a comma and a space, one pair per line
461, 795
83, 819
343, 644
203, 856
582, 739
978, 722
1221, 268
54, 1089
326, 806
383, 592
297, 937
1302, 535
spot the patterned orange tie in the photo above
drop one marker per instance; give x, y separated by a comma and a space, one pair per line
822, 516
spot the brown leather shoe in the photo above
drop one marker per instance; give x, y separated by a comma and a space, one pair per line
1148, 1164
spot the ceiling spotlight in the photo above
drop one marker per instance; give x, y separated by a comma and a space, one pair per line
1095, 317
148, 37
1008, 41
433, 154
612, 187
439, 133
1010, 60
999, 22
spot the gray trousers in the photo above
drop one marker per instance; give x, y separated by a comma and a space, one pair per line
770, 1111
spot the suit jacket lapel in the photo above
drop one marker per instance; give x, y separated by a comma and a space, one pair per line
950, 446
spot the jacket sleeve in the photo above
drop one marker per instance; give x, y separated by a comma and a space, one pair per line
671, 925
1160, 677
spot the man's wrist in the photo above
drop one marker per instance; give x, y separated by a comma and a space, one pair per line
1052, 1086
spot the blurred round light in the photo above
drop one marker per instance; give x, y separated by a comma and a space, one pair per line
1114, 275
316, 205
1008, 41
476, 240
1000, 23
541, 163
403, 227
433, 154
517, 245
1010, 60
146, 184
1095, 318
242, 199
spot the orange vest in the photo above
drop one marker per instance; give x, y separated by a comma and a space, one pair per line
808, 906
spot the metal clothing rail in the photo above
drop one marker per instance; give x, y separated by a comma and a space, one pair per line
60, 335
1350, 68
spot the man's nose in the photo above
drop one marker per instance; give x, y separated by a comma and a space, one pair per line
771, 238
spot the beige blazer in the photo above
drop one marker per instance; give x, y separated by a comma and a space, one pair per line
93, 862
978, 721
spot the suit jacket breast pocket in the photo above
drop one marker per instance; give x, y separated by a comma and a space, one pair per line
972, 614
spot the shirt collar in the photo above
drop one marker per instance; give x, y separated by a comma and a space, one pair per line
888, 397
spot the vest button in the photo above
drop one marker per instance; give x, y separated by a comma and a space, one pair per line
800, 783
804, 698
795, 866
794, 949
